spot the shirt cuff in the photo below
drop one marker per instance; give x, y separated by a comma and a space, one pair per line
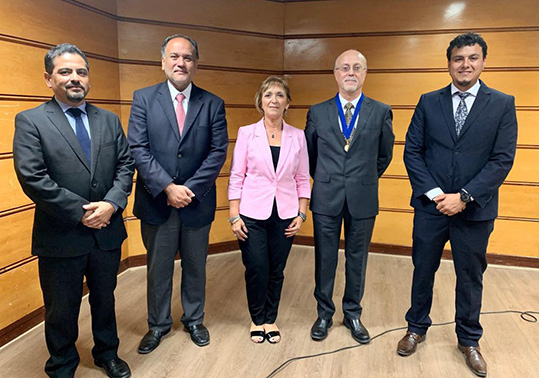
113, 205
433, 193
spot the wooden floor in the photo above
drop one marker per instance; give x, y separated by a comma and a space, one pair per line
510, 345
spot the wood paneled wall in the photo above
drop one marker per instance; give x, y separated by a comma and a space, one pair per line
405, 51
241, 43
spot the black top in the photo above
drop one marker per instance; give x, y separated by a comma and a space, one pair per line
275, 150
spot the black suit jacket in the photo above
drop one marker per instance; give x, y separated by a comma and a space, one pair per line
54, 173
353, 175
478, 160
162, 157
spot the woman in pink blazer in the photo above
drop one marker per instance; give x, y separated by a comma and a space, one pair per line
268, 191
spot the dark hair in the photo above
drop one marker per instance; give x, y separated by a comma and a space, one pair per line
271, 80
170, 37
64, 48
468, 39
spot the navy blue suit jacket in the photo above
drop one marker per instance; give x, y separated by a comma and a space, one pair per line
478, 160
162, 156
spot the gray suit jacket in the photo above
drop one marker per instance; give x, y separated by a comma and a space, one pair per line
353, 175
53, 171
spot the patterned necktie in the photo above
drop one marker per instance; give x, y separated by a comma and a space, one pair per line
82, 134
348, 113
461, 113
180, 112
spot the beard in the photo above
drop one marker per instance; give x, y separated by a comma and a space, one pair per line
76, 96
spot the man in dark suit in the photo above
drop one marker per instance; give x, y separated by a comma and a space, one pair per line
459, 149
350, 143
179, 139
72, 159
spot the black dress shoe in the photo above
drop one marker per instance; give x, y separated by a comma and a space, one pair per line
199, 334
319, 330
358, 330
151, 340
115, 368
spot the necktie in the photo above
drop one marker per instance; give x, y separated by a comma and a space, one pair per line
180, 112
461, 113
82, 134
348, 113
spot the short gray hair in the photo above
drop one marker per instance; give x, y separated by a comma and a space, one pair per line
171, 37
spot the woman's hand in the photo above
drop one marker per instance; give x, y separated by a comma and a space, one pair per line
294, 227
239, 229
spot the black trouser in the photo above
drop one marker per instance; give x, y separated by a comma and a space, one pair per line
264, 254
61, 281
357, 239
469, 240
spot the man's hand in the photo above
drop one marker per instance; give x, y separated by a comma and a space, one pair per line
97, 214
449, 204
178, 196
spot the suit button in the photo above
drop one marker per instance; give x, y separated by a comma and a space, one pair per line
346, 177
449, 174
456, 152
94, 184
180, 156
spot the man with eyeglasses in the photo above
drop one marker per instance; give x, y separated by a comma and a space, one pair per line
350, 143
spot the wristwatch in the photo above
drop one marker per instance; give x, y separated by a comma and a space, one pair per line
465, 196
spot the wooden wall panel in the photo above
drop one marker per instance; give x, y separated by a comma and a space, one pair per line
223, 84
349, 16
21, 293
409, 51
143, 42
55, 21
406, 88
29, 81
15, 243
8, 110
258, 16
104, 5
11, 194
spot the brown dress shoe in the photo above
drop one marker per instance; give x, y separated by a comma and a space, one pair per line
474, 360
408, 343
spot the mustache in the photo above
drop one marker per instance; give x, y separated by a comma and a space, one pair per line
69, 86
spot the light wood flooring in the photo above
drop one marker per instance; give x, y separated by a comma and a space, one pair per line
510, 345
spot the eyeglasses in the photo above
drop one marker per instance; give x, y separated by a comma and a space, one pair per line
346, 68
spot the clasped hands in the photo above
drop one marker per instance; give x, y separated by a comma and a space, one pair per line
178, 196
239, 229
449, 204
97, 214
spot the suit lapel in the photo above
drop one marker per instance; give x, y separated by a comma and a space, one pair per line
446, 105
59, 120
334, 121
286, 144
168, 108
364, 114
482, 99
261, 141
195, 104
94, 119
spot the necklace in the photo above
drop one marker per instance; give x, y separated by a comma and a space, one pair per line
273, 132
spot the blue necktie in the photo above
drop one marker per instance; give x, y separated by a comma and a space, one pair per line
461, 113
82, 134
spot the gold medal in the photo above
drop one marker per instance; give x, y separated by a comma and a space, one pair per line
346, 147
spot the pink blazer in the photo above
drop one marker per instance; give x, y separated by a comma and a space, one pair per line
255, 182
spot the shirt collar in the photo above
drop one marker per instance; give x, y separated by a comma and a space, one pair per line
473, 90
65, 107
174, 92
345, 101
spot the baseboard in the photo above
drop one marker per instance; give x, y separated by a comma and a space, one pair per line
35, 317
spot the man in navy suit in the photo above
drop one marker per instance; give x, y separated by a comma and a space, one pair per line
178, 137
460, 147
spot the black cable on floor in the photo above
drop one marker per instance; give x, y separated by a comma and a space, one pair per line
527, 316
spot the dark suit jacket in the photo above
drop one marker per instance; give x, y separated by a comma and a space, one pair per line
353, 175
54, 173
478, 160
162, 157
